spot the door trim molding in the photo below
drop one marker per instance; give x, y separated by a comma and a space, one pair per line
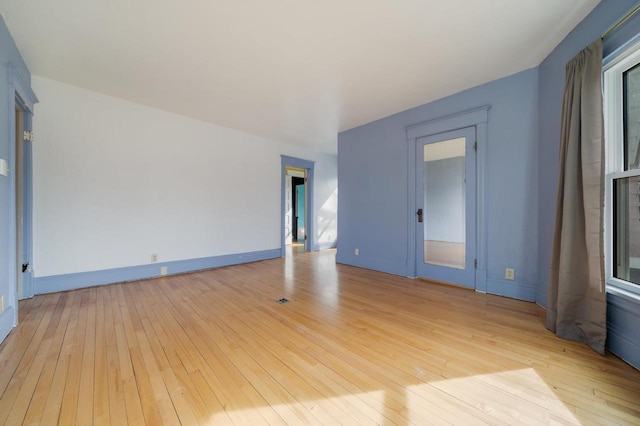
287, 161
20, 95
478, 118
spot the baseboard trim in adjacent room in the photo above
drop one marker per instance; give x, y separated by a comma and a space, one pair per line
55, 283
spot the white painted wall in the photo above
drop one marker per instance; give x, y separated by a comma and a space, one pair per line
116, 181
326, 201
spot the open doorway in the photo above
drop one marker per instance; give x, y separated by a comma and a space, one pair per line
22, 183
17, 171
295, 209
19, 214
297, 206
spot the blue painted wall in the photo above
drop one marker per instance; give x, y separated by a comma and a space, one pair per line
550, 111
623, 314
12, 67
521, 168
373, 187
444, 200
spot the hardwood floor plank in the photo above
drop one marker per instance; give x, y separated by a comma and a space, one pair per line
19, 340
351, 347
242, 401
142, 381
45, 381
51, 411
101, 413
213, 411
31, 379
86, 388
117, 405
69, 404
16, 397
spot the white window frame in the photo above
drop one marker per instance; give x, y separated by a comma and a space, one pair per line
614, 156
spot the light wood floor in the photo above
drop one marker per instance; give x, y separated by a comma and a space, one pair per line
352, 347
444, 253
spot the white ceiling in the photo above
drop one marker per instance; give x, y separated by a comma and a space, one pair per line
298, 71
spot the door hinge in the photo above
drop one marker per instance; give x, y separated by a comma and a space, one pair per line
29, 136
25, 267
475, 263
475, 146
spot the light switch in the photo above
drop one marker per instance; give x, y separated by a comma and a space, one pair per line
4, 167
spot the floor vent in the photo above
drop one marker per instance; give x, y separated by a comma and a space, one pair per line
283, 300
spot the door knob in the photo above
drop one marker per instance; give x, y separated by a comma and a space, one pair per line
419, 213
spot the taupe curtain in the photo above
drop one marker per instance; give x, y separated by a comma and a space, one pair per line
576, 296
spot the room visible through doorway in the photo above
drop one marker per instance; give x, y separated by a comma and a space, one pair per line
295, 209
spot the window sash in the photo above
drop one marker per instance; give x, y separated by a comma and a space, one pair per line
615, 156
611, 262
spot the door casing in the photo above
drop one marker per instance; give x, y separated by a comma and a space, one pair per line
21, 96
308, 166
22, 180
479, 118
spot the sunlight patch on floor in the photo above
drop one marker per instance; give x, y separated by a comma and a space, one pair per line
518, 395
350, 408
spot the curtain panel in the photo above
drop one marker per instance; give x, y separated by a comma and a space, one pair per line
576, 294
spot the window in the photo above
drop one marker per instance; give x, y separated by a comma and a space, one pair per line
622, 173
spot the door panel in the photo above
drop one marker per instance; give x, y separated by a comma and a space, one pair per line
446, 199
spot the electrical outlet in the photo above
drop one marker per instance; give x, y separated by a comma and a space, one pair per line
1, 303
163, 270
357, 252
154, 257
510, 274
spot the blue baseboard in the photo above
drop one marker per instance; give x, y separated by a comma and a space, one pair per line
511, 289
366, 262
7, 318
55, 283
623, 334
481, 280
505, 288
624, 347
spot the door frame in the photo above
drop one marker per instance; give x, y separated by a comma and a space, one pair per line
466, 276
21, 96
308, 166
295, 204
478, 118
